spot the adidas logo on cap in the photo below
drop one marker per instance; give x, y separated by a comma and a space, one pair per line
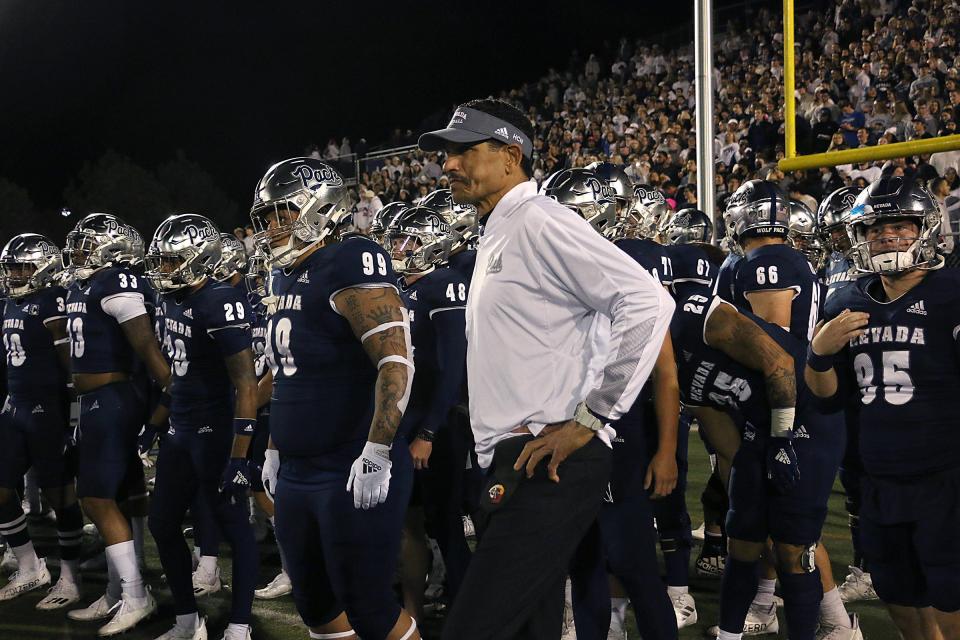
502, 131
918, 308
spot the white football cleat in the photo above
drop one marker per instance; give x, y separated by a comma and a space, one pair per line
279, 586
617, 630
247, 636
857, 586
685, 608
205, 583
100, 609
60, 595
22, 582
9, 562
700, 532
759, 621
826, 632
176, 633
129, 614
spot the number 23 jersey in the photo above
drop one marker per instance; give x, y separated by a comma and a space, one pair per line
906, 368
323, 380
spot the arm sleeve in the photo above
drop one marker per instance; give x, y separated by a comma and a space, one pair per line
124, 306
604, 280
450, 328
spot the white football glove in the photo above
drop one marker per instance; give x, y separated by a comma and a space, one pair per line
370, 476
271, 469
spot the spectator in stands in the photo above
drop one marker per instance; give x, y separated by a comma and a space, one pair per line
247, 239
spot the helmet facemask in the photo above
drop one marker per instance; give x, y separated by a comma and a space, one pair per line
302, 220
171, 272
902, 251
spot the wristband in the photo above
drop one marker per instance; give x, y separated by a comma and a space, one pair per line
426, 435
818, 362
244, 426
781, 422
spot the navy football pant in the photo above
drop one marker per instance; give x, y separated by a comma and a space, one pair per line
34, 434
189, 465
851, 473
107, 444
624, 545
670, 512
340, 558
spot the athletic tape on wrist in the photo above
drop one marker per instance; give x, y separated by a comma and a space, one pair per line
781, 422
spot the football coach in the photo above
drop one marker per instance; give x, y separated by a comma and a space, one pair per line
562, 331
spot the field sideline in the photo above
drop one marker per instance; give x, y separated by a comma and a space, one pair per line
277, 620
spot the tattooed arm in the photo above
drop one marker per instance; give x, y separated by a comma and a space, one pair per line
379, 320
741, 339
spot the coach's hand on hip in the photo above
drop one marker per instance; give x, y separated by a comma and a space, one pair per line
558, 441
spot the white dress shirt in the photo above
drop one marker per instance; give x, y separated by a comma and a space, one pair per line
542, 277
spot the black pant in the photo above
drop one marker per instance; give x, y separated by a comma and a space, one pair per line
529, 529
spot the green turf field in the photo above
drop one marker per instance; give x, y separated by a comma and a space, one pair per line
277, 620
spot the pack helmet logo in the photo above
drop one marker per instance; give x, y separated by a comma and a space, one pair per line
314, 178
496, 493
197, 234
849, 199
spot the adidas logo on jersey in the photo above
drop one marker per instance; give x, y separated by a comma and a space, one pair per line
413, 296
749, 435
782, 457
38, 409
801, 432
188, 313
304, 278
502, 131
918, 308
95, 405
495, 265
205, 429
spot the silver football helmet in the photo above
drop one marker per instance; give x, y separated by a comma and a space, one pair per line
582, 191
886, 201
28, 263
137, 249
832, 216
462, 218
803, 234
651, 208
233, 258
99, 240
616, 177
185, 249
687, 226
418, 240
383, 218
297, 205
257, 274
757, 208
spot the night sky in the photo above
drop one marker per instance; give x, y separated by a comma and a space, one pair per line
237, 86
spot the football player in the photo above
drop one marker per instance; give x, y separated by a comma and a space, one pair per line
110, 329
383, 218
803, 235
206, 327
891, 341
419, 241
462, 219
838, 272
33, 423
779, 285
626, 535
339, 348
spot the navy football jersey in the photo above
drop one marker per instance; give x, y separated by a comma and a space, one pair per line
323, 380
649, 255
906, 370
726, 276
200, 329
691, 268
33, 369
837, 274
710, 378
97, 343
777, 267
258, 333
436, 305
463, 262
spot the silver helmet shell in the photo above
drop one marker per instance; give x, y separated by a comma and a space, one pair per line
616, 177
137, 248
418, 240
757, 208
832, 216
687, 226
99, 240
582, 191
462, 218
28, 263
233, 258
887, 200
651, 209
803, 234
383, 218
297, 204
185, 249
